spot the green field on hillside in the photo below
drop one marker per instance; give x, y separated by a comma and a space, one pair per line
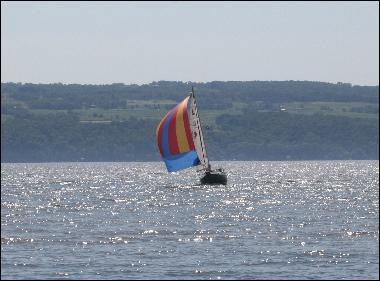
157, 109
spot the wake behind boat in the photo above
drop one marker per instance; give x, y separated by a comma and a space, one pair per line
181, 144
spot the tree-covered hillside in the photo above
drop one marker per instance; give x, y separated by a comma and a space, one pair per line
256, 120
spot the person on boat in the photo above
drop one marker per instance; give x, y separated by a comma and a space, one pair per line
208, 169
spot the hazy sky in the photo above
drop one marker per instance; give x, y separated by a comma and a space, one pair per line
141, 42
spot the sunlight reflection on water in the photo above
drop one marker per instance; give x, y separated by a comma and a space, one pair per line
315, 220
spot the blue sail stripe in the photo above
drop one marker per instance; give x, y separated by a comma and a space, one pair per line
182, 161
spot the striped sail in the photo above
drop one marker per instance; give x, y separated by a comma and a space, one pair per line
174, 139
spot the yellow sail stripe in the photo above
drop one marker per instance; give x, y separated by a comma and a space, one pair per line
183, 145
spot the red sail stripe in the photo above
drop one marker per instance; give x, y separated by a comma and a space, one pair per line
187, 126
159, 133
173, 142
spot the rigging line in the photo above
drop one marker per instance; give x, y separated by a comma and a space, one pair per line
200, 128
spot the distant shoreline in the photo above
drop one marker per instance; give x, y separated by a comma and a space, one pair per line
253, 120
216, 161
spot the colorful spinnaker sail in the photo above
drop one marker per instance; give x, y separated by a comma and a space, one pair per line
175, 140
181, 144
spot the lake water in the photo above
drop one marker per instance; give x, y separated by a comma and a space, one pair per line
274, 220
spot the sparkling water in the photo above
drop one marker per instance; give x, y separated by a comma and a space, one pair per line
273, 220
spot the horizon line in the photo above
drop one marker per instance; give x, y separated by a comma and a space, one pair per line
185, 82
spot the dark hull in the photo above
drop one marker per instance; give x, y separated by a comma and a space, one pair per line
214, 178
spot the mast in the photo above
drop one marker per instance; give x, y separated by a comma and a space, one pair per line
199, 127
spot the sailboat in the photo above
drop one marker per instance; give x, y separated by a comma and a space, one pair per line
181, 144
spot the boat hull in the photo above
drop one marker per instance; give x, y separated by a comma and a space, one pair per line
214, 178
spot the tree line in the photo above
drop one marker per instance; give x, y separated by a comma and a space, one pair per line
211, 95
27, 136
